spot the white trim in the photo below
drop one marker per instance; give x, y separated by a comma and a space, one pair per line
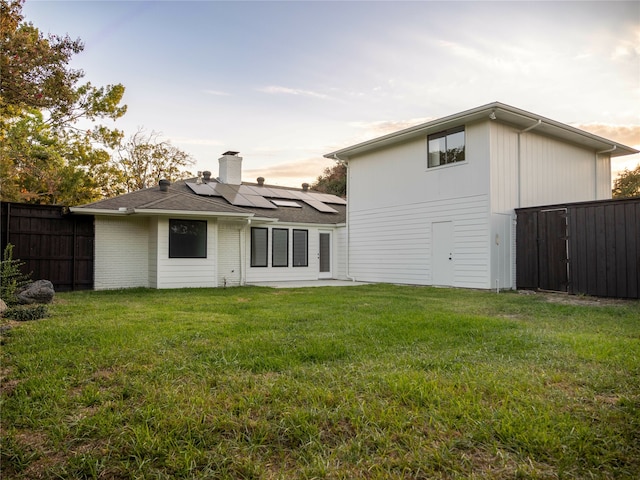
493, 111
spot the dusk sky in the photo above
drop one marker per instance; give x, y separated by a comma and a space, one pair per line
286, 82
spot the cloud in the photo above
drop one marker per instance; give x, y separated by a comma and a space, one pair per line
277, 90
291, 174
217, 93
383, 127
625, 134
197, 141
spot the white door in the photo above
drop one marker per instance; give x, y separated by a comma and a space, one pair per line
324, 255
442, 253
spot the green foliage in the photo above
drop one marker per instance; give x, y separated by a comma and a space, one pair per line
374, 381
11, 277
333, 180
627, 184
35, 72
45, 157
23, 313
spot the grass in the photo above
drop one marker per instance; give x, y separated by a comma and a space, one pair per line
375, 381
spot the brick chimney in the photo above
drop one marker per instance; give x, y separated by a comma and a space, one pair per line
230, 168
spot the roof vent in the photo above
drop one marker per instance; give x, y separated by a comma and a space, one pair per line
206, 175
260, 181
164, 185
305, 187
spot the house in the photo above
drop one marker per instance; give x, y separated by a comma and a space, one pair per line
434, 204
216, 232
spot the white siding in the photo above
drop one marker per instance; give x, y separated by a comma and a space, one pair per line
339, 253
535, 170
229, 246
393, 244
394, 199
603, 177
556, 172
121, 252
504, 168
186, 272
502, 258
153, 252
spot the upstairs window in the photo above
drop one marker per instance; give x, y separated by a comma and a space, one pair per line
187, 239
446, 147
259, 247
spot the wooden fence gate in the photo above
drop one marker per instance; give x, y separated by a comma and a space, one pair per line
54, 244
588, 248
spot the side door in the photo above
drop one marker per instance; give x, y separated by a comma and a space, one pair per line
324, 255
442, 261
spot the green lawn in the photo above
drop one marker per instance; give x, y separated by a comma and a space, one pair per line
375, 381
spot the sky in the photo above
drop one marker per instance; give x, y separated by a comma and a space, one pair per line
286, 82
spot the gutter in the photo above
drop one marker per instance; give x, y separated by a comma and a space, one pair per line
122, 211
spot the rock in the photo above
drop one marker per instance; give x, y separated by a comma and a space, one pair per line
3, 307
40, 291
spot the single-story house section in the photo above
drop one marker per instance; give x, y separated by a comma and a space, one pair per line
434, 204
216, 232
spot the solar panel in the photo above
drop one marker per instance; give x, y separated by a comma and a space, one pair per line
286, 203
204, 189
321, 207
259, 201
254, 196
328, 198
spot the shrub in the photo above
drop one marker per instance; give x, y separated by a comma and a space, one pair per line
11, 277
23, 313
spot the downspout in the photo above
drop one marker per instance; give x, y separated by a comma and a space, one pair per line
595, 176
520, 132
347, 271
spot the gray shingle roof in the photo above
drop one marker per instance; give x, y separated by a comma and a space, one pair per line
180, 198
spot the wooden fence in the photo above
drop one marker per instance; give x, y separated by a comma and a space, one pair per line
590, 248
54, 244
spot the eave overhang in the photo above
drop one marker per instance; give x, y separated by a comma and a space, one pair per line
156, 212
515, 117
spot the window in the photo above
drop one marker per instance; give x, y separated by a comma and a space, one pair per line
300, 248
259, 247
280, 247
187, 239
446, 147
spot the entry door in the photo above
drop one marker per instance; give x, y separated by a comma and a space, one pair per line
324, 255
442, 253
553, 260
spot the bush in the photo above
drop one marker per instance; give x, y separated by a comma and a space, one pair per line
23, 313
11, 277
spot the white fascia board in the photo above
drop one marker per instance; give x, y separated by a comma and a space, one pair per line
303, 225
99, 211
501, 112
190, 213
140, 211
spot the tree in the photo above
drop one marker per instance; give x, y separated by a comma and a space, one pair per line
333, 180
627, 184
144, 159
34, 68
51, 148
